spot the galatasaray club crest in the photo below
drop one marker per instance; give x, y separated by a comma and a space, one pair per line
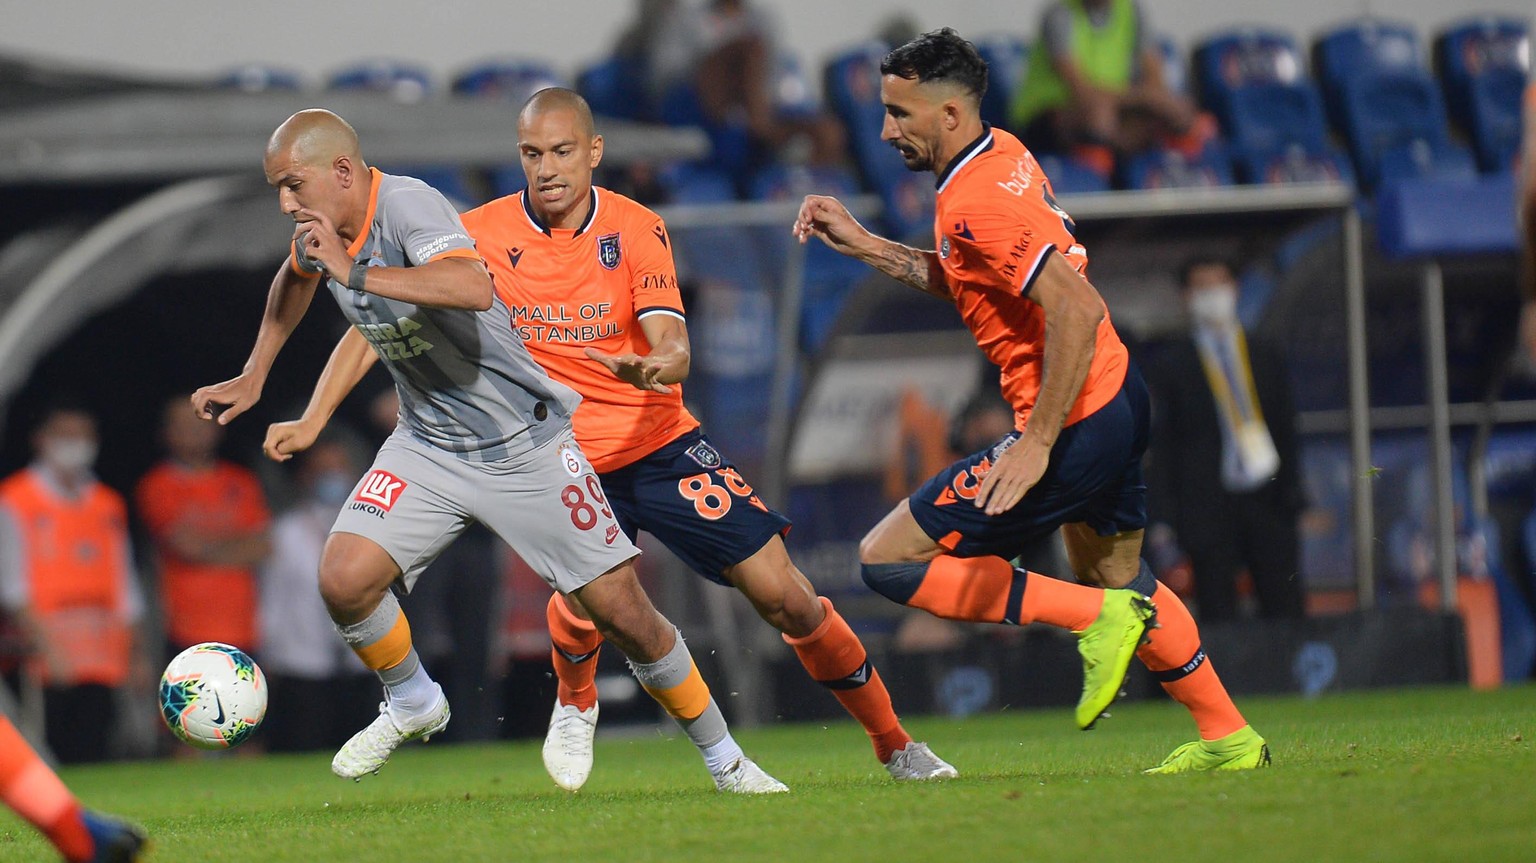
608, 251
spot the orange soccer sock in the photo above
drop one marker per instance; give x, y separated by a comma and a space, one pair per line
576, 645
835, 658
37, 794
1177, 660
990, 590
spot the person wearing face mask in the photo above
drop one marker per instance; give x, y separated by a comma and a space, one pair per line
1224, 471
67, 578
208, 520
306, 662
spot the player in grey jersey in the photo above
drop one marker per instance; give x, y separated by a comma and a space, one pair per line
484, 435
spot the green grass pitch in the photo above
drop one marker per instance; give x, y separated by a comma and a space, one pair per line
1414, 775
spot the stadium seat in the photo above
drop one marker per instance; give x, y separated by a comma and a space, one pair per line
1483, 67
1069, 176
616, 88
257, 78
1007, 58
402, 81
731, 147
1363, 48
506, 80
1396, 125
1171, 169
693, 183
1279, 134
1231, 61
793, 94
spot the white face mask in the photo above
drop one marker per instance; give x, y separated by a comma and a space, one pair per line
70, 455
1214, 305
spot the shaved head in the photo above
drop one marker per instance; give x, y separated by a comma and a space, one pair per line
553, 99
315, 136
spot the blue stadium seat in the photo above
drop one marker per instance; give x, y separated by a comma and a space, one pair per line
1170, 169
616, 88
1231, 61
1007, 58
793, 95
506, 80
1483, 67
257, 78
693, 183
1279, 134
402, 81
1364, 48
731, 147
1396, 125
1069, 176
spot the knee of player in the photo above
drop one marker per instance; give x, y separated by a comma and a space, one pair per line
894, 581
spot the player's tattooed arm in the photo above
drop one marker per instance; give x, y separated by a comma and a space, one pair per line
829, 221
915, 267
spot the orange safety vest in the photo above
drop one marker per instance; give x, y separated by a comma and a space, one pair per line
74, 553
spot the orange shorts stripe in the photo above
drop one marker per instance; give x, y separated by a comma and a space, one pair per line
390, 650
687, 700
951, 540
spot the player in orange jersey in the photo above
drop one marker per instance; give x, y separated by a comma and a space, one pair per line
1007, 259
37, 794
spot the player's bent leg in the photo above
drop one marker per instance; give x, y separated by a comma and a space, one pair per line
1172, 653
575, 644
661, 662
833, 655
355, 574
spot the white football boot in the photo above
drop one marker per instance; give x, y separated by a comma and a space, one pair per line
568, 745
743, 776
369, 749
916, 762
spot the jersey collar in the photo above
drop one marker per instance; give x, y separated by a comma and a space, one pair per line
961, 159
533, 218
375, 177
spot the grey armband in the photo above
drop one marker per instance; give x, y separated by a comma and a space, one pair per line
358, 278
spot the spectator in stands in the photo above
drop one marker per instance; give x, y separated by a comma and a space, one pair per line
1094, 86
1225, 469
208, 521
1526, 208
305, 660
67, 578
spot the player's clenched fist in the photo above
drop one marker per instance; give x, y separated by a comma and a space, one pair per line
287, 438
826, 218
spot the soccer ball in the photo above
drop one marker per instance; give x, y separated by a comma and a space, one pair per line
213, 696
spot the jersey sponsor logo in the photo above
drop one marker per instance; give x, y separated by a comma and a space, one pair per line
704, 455
562, 323
658, 282
396, 341
514, 255
439, 245
608, 253
380, 488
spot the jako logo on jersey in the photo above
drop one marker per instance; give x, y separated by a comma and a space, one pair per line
608, 251
437, 246
395, 341
705, 455
378, 493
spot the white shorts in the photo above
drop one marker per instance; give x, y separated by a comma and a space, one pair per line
546, 503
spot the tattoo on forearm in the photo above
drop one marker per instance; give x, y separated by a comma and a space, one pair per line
906, 265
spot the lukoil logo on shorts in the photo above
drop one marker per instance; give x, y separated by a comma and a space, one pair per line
380, 488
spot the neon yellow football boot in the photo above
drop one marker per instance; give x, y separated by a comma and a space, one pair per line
1243, 749
1107, 646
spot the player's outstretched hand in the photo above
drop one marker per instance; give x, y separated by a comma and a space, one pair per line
1012, 476
316, 236
635, 370
827, 219
286, 439
222, 402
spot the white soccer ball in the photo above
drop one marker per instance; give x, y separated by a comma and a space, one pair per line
213, 696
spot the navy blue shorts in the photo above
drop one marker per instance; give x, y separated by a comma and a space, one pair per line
690, 497
1094, 477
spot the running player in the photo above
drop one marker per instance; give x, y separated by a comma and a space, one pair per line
484, 435
37, 794
1008, 261
589, 280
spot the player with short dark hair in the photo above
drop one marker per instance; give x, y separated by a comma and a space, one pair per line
1006, 257
484, 435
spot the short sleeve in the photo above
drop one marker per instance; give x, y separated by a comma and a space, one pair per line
426, 226
1003, 247
653, 274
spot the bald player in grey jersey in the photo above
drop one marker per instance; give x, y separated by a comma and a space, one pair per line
484, 435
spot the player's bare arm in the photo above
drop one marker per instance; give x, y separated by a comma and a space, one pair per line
667, 363
828, 220
1073, 310
446, 283
287, 301
349, 361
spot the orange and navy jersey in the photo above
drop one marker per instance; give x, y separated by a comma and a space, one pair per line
224, 501
995, 225
590, 287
